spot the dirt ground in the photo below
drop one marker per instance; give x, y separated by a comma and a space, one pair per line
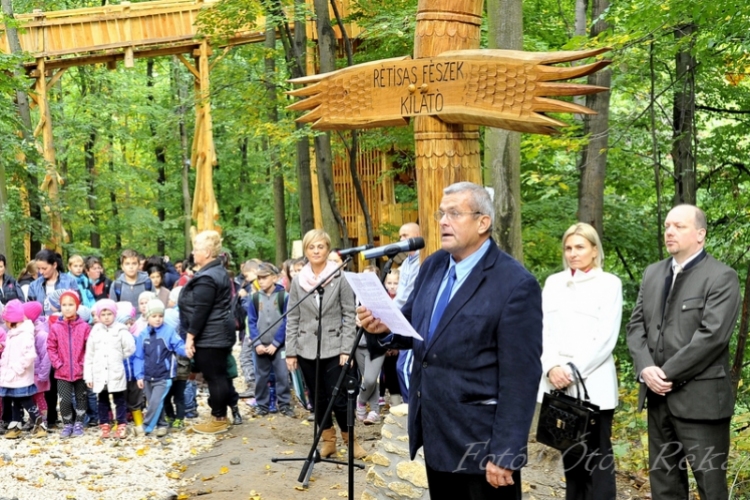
252, 445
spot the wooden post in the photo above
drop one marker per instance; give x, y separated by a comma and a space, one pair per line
205, 207
445, 153
52, 181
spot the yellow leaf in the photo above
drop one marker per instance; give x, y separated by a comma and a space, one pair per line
173, 475
299, 488
34, 451
142, 451
207, 478
287, 452
336, 487
343, 494
268, 467
224, 470
183, 496
193, 451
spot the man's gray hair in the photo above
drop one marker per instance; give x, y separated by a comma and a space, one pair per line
480, 198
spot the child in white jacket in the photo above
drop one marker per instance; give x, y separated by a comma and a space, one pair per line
108, 345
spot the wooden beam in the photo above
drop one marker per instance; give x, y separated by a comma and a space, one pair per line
55, 77
189, 66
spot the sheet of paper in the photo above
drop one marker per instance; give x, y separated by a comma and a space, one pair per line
371, 294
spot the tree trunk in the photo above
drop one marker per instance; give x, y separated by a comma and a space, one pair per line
333, 223
90, 161
277, 174
502, 148
683, 119
304, 177
353, 148
187, 203
593, 166
739, 355
161, 160
113, 197
31, 181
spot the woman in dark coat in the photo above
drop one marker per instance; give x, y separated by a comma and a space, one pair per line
207, 321
9, 289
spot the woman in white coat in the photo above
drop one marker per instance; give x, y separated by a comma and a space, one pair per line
108, 346
582, 310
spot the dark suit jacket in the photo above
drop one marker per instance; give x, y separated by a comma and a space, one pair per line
473, 388
687, 334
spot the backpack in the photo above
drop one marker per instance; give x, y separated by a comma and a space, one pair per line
118, 288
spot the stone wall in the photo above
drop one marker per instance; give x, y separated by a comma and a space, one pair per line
391, 474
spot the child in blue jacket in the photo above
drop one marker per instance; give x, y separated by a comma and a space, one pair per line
155, 365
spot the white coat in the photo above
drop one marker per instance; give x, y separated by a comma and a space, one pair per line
106, 349
582, 314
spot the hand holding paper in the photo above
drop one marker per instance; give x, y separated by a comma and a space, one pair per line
378, 313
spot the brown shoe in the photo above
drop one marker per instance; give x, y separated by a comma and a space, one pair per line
359, 452
214, 426
329, 442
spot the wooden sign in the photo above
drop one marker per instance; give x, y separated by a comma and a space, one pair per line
496, 88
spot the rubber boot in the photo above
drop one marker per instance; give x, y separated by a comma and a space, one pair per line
138, 423
329, 443
359, 452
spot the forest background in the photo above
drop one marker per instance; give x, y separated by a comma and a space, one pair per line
674, 128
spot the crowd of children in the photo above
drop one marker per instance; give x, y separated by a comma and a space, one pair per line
79, 341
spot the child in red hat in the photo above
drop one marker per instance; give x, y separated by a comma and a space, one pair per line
66, 346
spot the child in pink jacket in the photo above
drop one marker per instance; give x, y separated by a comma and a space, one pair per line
33, 312
66, 346
17, 370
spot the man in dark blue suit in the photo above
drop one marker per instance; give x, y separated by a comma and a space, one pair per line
475, 376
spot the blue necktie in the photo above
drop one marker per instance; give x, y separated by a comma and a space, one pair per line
442, 303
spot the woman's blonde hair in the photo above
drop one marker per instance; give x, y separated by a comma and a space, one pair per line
314, 235
585, 231
208, 240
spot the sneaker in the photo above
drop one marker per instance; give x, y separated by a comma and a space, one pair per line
106, 430
272, 408
161, 431
252, 402
178, 424
247, 395
66, 431
77, 430
138, 430
381, 401
288, 411
122, 431
213, 426
14, 431
27, 426
372, 418
261, 412
311, 417
191, 414
361, 411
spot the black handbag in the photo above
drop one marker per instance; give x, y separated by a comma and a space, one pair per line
569, 424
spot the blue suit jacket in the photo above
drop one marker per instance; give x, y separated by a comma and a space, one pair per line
473, 387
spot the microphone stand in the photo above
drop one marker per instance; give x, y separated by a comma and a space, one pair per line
313, 455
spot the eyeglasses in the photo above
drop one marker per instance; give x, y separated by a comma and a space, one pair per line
453, 214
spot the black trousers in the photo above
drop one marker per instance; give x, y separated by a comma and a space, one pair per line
673, 443
452, 486
592, 477
51, 398
329, 374
177, 394
212, 362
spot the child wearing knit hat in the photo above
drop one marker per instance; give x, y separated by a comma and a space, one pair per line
156, 364
17, 371
108, 346
66, 346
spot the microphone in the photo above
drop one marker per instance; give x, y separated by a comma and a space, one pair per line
394, 249
346, 252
